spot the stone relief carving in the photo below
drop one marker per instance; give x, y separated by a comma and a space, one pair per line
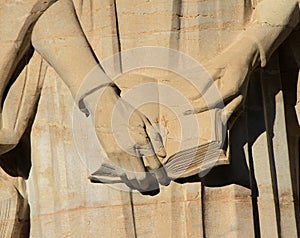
66, 48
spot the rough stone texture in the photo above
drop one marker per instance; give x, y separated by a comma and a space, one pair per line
263, 191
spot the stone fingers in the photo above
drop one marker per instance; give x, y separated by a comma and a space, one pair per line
224, 89
155, 139
230, 108
153, 154
135, 174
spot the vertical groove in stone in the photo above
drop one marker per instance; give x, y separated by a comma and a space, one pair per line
118, 32
21, 100
278, 148
253, 184
254, 194
257, 157
269, 133
174, 41
128, 213
33, 188
248, 6
133, 214
203, 210
272, 161
176, 24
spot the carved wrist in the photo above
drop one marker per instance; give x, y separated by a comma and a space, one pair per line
249, 51
87, 101
258, 53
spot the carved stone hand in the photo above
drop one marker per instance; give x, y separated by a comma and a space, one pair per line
229, 72
130, 142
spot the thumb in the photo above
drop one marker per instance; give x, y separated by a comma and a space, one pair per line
156, 141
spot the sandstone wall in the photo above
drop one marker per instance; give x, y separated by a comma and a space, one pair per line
64, 203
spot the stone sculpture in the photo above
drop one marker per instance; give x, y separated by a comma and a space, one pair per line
230, 70
66, 49
254, 41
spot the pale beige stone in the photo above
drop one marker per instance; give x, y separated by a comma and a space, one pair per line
63, 201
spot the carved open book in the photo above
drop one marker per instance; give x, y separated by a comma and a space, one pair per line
178, 166
196, 160
194, 142
184, 163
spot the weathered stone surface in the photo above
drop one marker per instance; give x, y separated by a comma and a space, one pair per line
255, 195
